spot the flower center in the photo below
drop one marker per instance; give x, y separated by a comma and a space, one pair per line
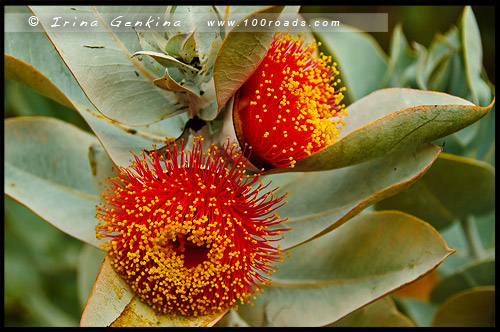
192, 254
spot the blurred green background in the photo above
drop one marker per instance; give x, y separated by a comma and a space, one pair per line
48, 275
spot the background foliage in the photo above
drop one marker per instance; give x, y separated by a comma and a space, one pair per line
50, 274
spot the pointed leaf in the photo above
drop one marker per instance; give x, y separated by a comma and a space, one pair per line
439, 50
330, 277
239, 55
168, 83
473, 56
391, 119
361, 61
47, 170
454, 187
402, 61
471, 308
113, 303
318, 202
119, 86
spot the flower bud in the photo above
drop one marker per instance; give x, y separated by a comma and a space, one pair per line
290, 107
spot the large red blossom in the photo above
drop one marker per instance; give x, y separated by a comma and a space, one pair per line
290, 107
189, 232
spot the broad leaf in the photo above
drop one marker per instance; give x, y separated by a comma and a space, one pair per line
47, 170
194, 20
318, 202
392, 119
471, 308
330, 277
361, 61
36, 53
453, 188
119, 139
113, 303
119, 86
239, 55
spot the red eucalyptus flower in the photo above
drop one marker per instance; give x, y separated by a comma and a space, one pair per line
188, 232
289, 107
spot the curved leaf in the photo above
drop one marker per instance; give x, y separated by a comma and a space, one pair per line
119, 140
381, 313
113, 303
35, 50
471, 308
392, 119
88, 266
18, 70
421, 288
318, 202
47, 170
120, 87
239, 55
454, 187
237, 13
361, 61
420, 312
330, 277
168, 83
477, 274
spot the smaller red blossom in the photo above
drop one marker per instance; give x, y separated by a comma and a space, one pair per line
289, 108
190, 232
